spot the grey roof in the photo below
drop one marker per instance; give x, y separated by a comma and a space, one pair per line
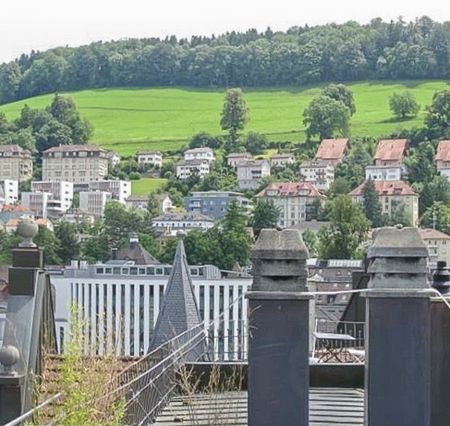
75, 148
136, 252
179, 311
183, 216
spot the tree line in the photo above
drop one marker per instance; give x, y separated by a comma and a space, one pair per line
300, 55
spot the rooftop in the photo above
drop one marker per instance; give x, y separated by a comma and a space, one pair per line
13, 148
195, 162
198, 150
391, 150
239, 155
149, 153
433, 234
183, 216
443, 151
291, 189
314, 163
75, 148
392, 187
252, 163
332, 149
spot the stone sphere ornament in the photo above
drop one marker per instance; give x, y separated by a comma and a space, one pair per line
27, 229
9, 356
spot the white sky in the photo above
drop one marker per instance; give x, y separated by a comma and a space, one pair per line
40, 24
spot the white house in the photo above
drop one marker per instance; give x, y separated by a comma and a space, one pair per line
153, 158
60, 190
186, 168
171, 223
120, 189
206, 154
9, 191
282, 160
94, 202
319, 173
250, 173
141, 202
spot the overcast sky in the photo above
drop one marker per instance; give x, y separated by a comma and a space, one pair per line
40, 24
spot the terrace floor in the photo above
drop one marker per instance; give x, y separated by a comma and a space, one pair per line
327, 407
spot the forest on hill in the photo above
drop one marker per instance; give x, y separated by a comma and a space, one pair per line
301, 55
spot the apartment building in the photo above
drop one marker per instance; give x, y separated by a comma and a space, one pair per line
282, 160
43, 204
94, 202
16, 163
438, 244
393, 195
319, 173
79, 164
204, 154
187, 168
152, 158
391, 152
9, 191
250, 173
235, 158
297, 201
332, 151
120, 189
60, 190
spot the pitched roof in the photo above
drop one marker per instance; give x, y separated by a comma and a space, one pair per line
12, 148
391, 149
391, 187
136, 252
179, 311
15, 208
195, 162
252, 163
183, 216
443, 151
74, 148
239, 155
149, 152
198, 150
281, 156
291, 189
332, 149
433, 234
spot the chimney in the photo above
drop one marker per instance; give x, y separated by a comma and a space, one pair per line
398, 330
114, 253
278, 376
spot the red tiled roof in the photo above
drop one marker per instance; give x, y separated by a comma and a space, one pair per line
332, 149
391, 149
443, 151
292, 189
390, 187
15, 208
433, 234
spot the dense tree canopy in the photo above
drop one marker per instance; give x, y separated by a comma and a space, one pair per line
301, 55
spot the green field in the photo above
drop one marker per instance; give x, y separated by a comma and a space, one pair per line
146, 186
127, 120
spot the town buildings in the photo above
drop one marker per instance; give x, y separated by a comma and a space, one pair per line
152, 158
250, 173
94, 202
9, 191
319, 173
214, 203
391, 152
282, 160
170, 223
79, 164
59, 190
443, 158
297, 201
333, 151
235, 158
141, 202
42, 204
16, 163
394, 196
203, 154
187, 168
120, 189
438, 245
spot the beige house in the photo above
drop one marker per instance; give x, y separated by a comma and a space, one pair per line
297, 201
16, 163
393, 195
187, 168
282, 160
438, 244
153, 158
235, 158
319, 173
78, 164
250, 173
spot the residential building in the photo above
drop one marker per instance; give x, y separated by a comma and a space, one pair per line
15, 211
141, 202
298, 202
136, 292
152, 158
438, 245
204, 154
235, 158
16, 163
393, 196
443, 158
60, 190
79, 164
42, 204
214, 203
319, 173
170, 223
78, 217
333, 151
384, 172
282, 160
391, 152
114, 158
186, 168
134, 252
94, 202
250, 173
120, 189
9, 191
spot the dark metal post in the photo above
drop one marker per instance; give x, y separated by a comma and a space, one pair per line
398, 336
278, 377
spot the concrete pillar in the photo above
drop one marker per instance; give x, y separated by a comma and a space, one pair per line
398, 331
278, 377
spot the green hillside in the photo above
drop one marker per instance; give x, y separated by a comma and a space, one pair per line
131, 119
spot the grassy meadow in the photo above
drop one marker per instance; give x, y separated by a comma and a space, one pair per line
146, 186
131, 119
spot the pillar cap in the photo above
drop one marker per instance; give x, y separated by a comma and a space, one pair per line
280, 245
397, 242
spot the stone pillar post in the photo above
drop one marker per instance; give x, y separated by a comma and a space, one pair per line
398, 331
278, 377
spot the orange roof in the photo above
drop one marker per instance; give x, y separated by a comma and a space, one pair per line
388, 187
443, 151
16, 208
433, 234
391, 149
291, 189
332, 149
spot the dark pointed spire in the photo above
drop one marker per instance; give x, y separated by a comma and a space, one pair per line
179, 311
